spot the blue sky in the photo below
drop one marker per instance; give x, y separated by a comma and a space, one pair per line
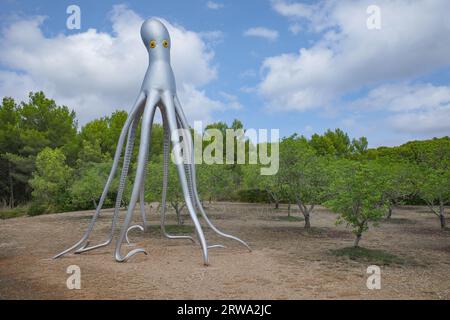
299, 66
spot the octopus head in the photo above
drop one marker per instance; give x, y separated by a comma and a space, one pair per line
156, 39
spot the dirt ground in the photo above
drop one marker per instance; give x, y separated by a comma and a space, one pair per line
286, 262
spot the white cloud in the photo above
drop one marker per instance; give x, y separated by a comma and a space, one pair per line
214, 5
413, 108
262, 32
347, 57
232, 101
96, 72
292, 9
212, 37
195, 102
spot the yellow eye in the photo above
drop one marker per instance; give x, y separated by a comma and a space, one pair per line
152, 44
165, 43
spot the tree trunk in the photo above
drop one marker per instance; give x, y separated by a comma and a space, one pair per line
389, 215
179, 219
356, 243
272, 196
441, 214
11, 187
178, 212
306, 213
95, 203
307, 222
289, 209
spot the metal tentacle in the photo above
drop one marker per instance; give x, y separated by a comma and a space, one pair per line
216, 246
143, 228
142, 206
142, 194
147, 120
139, 102
136, 226
123, 177
168, 100
187, 159
166, 153
192, 174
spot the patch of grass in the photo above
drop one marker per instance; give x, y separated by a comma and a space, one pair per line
289, 218
373, 256
12, 213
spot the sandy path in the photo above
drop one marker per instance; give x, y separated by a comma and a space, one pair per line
287, 262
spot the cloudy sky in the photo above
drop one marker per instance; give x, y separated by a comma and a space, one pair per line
298, 66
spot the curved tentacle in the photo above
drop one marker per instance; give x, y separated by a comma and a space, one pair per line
136, 226
216, 246
138, 103
166, 152
122, 181
168, 100
192, 174
147, 121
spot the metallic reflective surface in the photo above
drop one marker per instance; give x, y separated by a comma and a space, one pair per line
158, 91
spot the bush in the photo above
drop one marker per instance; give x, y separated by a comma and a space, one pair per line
36, 209
253, 196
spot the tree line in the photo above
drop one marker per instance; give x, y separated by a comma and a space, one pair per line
48, 165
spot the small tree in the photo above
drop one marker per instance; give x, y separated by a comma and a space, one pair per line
400, 183
153, 188
434, 189
88, 186
215, 181
304, 174
357, 195
50, 180
270, 184
434, 183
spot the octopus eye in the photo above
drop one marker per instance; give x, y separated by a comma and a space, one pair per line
152, 44
165, 43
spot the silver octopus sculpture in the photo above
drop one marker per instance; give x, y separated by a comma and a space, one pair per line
158, 91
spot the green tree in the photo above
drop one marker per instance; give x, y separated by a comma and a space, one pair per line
153, 187
304, 174
434, 189
269, 184
51, 179
357, 195
214, 181
400, 184
9, 144
25, 130
87, 188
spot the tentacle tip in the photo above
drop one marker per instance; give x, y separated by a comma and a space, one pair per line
216, 246
129, 255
